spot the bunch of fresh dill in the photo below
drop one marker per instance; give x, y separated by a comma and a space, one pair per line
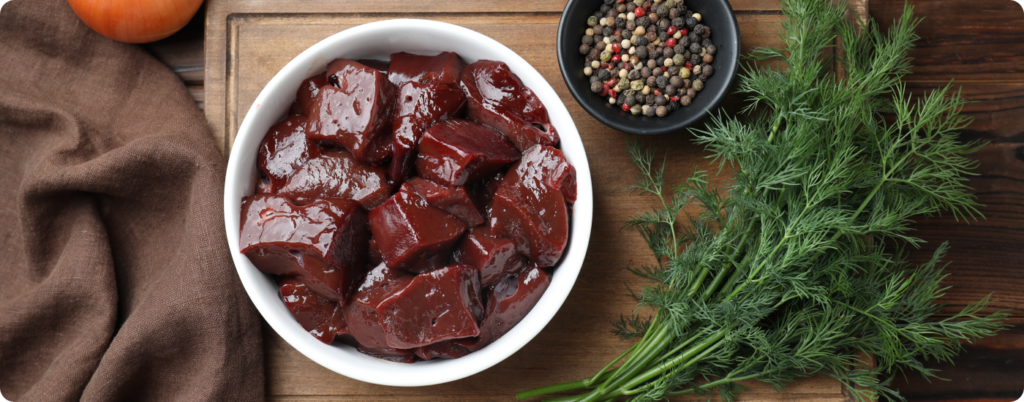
796, 267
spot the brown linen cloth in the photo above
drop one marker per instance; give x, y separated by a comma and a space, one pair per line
115, 278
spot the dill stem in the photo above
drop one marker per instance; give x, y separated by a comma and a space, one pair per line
715, 383
636, 362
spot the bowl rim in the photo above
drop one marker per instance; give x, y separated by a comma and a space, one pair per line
426, 372
583, 97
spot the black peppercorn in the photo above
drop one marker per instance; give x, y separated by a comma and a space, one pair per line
668, 53
678, 22
691, 93
645, 72
630, 6
588, 40
691, 22
605, 7
650, 112
619, 100
662, 81
621, 8
652, 63
707, 32
652, 81
630, 25
684, 41
685, 101
584, 49
639, 98
694, 47
657, 71
593, 55
673, 70
676, 81
670, 90
662, 10
600, 45
650, 99
607, 31
630, 100
712, 49
693, 37
594, 78
641, 41
695, 59
688, 14
663, 36
707, 70
634, 74
679, 48
660, 101
604, 75
664, 24
651, 36
641, 52
673, 14
596, 87
660, 61
681, 7
705, 43
687, 82
698, 29
643, 21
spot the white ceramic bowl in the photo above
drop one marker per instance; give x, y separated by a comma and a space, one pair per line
378, 40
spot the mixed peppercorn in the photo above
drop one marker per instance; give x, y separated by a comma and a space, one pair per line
648, 57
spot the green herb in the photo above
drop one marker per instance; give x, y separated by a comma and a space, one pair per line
797, 267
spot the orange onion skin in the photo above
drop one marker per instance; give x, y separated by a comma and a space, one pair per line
135, 21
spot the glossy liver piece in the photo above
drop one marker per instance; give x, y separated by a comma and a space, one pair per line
453, 200
508, 302
493, 257
418, 107
412, 235
456, 152
323, 243
442, 69
445, 349
499, 99
321, 317
308, 91
436, 306
337, 174
530, 207
355, 111
361, 311
283, 152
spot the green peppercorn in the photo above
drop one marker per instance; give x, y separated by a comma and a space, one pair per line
606, 56
636, 85
635, 109
592, 21
698, 85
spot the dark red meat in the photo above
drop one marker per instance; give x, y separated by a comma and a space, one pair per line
321, 317
499, 99
443, 69
494, 257
453, 200
337, 174
456, 152
436, 306
323, 243
482, 193
418, 107
389, 354
412, 235
355, 112
379, 65
375, 257
530, 207
283, 151
308, 91
444, 349
361, 310
508, 302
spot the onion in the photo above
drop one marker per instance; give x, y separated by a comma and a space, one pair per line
135, 21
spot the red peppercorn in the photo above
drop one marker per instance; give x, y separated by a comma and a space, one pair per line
625, 107
670, 42
688, 65
639, 12
671, 30
657, 92
675, 99
685, 31
616, 48
604, 92
612, 93
616, 59
611, 83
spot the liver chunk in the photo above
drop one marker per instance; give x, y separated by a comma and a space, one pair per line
323, 243
499, 99
413, 235
354, 112
337, 174
457, 152
494, 257
443, 69
444, 349
308, 91
321, 317
508, 302
530, 207
453, 200
283, 152
436, 306
419, 107
361, 311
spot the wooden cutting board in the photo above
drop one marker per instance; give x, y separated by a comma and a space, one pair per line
248, 41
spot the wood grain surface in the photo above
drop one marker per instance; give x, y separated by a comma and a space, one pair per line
980, 44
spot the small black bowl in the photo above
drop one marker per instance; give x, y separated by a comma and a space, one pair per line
725, 33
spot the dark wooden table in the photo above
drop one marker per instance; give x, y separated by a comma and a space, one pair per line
980, 45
